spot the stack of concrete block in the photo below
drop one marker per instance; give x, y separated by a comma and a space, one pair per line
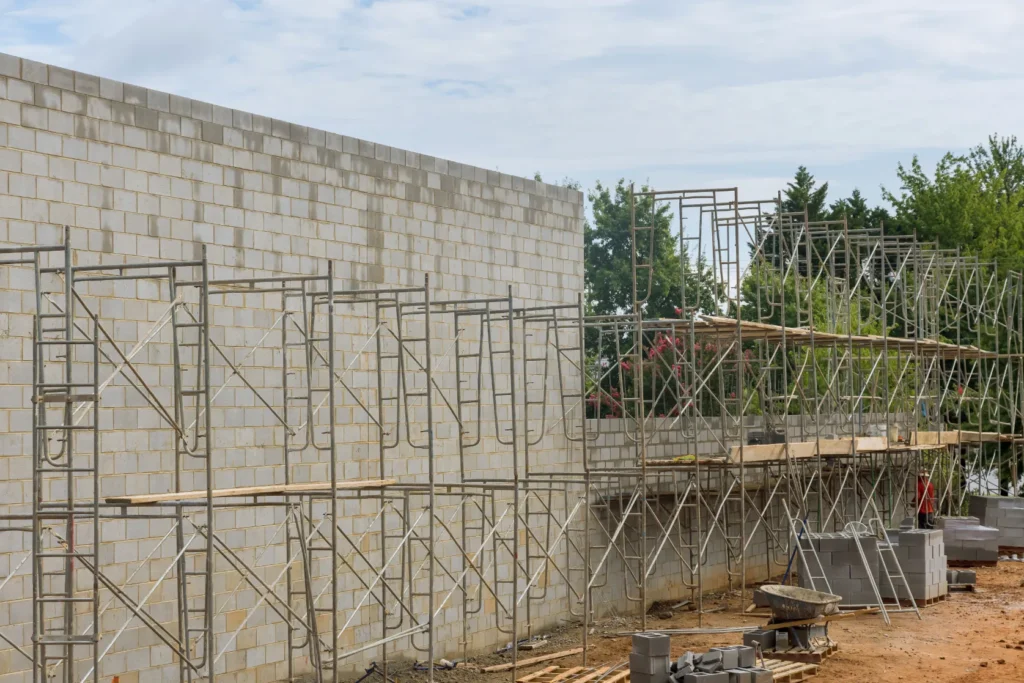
961, 577
1003, 513
649, 662
966, 540
843, 566
922, 556
808, 637
732, 664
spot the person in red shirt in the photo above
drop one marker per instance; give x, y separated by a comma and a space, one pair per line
925, 502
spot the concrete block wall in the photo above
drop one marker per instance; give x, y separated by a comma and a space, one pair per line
966, 540
843, 566
674, 577
140, 174
922, 556
1003, 513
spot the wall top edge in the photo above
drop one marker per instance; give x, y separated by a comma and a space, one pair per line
87, 84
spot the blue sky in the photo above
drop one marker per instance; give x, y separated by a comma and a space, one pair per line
681, 94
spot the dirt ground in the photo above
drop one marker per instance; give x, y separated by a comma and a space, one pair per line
971, 637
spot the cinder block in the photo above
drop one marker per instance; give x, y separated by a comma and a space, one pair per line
967, 576
781, 640
730, 658
697, 677
833, 545
746, 654
738, 675
760, 675
760, 638
651, 644
649, 678
646, 664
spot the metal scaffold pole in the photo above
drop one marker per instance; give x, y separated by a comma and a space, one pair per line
426, 486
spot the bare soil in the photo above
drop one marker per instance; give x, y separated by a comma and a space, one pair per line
970, 637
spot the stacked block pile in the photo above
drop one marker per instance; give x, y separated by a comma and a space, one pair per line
961, 577
650, 662
966, 540
809, 637
1003, 513
843, 567
922, 555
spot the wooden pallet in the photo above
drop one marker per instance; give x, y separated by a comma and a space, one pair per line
782, 671
793, 654
1011, 549
892, 602
789, 672
961, 587
925, 603
572, 674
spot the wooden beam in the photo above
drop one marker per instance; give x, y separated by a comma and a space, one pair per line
507, 666
245, 491
819, 620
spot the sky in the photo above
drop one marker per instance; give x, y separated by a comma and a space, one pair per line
678, 94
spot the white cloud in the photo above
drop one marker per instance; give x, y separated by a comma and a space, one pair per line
722, 88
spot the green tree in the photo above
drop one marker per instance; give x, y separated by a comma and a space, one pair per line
802, 194
974, 202
1000, 166
609, 274
858, 214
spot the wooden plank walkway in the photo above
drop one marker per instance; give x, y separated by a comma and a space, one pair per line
246, 491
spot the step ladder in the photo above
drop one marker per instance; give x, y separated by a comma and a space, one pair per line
856, 530
895, 578
803, 541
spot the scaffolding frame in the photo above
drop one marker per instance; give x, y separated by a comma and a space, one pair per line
832, 366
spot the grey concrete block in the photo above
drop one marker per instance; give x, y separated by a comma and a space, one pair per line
759, 675
730, 658
647, 664
698, 677
649, 678
967, 576
651, 644
739, 675
760, 638
710, 658
746, 655
833, 544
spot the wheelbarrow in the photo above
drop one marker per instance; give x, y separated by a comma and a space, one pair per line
792, 603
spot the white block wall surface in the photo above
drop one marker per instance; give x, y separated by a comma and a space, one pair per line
136, 174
